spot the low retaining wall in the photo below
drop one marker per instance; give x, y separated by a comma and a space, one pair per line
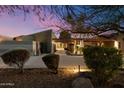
9, 45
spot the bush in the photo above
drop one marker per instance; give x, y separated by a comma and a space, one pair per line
52, 62
103, 62
16, 57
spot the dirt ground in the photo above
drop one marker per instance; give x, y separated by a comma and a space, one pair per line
42, 78
36, 78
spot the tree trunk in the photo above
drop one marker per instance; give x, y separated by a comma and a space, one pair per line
20, 66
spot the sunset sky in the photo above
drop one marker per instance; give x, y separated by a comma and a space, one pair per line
11, 25
16, 25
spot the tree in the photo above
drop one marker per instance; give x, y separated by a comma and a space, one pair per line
41, 11
65, 36
105, 18
16, 57
77, 24
100, 18
104, 63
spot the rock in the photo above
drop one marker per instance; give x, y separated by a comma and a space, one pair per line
118, 85
82, 83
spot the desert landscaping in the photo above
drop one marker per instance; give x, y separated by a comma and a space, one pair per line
61, 46
37, 75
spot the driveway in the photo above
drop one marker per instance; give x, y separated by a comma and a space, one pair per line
65, 61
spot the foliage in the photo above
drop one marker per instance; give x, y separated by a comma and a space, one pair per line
99, 18
52, 62
16, 57
103, 62
78, 23
105, 18
65, 36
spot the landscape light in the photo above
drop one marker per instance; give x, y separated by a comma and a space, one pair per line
81, 70
77, 69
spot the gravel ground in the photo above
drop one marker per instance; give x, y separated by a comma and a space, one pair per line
36, 78
42, 78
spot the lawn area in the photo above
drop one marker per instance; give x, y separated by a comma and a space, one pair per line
36, 78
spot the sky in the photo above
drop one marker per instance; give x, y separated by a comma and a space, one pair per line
16, 25
12, 26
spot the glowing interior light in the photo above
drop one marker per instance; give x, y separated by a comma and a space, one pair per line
116, 44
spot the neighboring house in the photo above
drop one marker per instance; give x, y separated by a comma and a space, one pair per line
41, 41
36, 43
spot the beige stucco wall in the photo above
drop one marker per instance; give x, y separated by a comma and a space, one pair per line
43, 39
45, 36
120, 39
10, 45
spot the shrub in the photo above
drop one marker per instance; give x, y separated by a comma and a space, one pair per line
16, 57
103, 62
52, 62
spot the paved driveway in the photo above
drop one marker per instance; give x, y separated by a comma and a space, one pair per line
65, 61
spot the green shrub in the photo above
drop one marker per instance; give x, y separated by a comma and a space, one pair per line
103, 62
16, 57
52, 62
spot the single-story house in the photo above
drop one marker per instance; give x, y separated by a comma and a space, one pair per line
36, 43
82, 39
47, 42
41, 42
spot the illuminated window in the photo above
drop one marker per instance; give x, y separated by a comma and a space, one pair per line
116, 44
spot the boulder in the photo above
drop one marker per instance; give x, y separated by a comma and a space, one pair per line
82, 83
117, 85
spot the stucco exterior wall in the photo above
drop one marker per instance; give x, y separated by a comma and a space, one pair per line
10, 45
43, 39
120, 39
